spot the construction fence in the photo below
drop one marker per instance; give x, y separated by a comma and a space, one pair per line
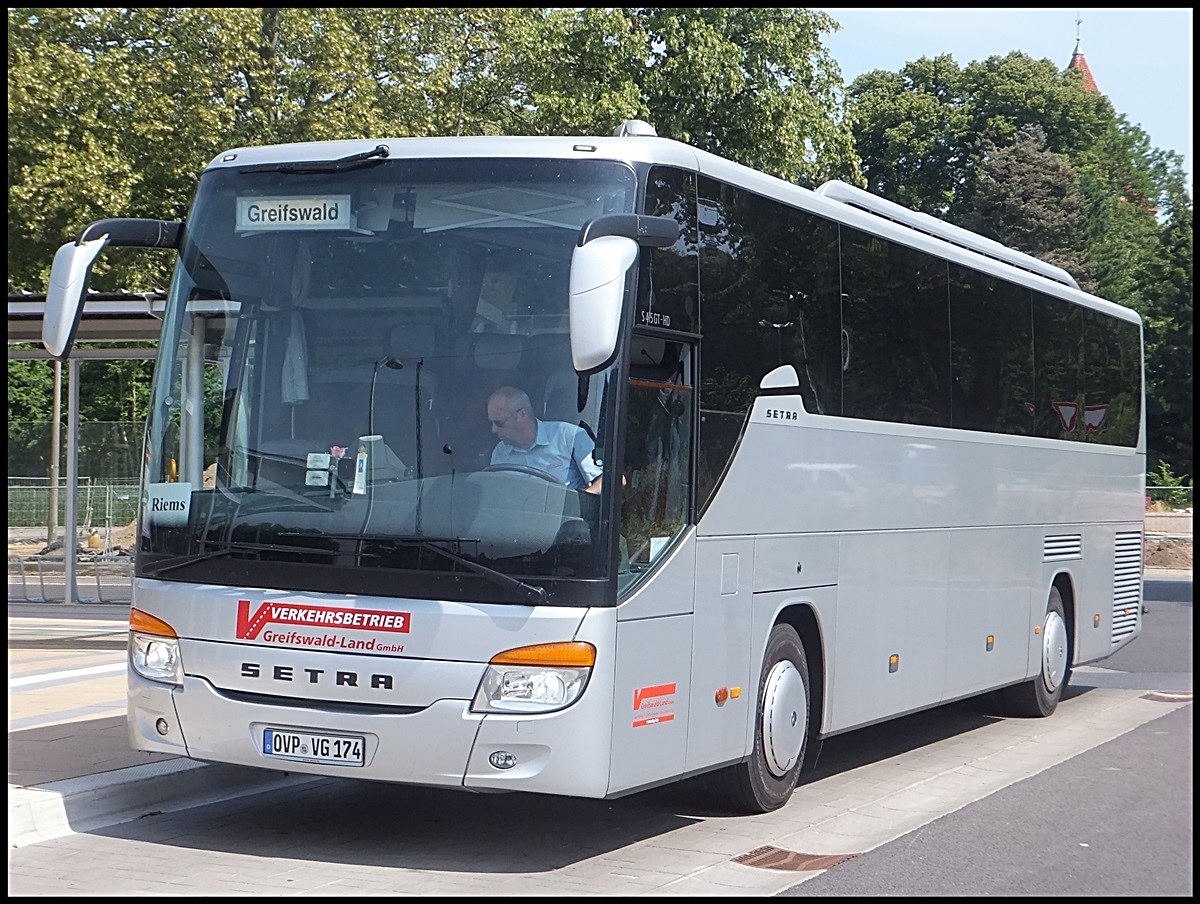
105, 511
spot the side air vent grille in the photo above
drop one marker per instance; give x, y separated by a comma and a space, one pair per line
1062, 548
1127, 584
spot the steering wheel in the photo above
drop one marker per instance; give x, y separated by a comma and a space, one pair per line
524, 469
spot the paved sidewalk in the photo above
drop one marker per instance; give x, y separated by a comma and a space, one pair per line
65, 694
70, 765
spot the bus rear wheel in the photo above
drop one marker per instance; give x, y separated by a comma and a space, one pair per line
1039, 696
766, 780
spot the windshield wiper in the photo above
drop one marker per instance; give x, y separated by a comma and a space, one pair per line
322, 166
228, 548
534, 592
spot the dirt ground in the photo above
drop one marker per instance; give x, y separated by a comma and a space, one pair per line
124, 536
1163, 553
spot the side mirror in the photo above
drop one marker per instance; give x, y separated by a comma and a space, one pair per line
73, 265
607, 248
597, 290
64, 295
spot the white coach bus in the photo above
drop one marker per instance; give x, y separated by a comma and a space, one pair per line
858, 463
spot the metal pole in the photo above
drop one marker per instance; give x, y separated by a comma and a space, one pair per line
70, 537
192, 404
55, 440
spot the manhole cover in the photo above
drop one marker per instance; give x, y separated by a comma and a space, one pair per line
769, 857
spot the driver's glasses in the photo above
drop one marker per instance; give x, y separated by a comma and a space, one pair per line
503, 422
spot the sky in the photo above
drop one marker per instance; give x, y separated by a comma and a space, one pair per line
1141, 59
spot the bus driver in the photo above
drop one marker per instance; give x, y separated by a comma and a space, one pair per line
562, 450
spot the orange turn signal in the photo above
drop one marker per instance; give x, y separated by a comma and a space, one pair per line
144, 623
571, 654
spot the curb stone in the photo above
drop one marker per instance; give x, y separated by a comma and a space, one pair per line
57, 809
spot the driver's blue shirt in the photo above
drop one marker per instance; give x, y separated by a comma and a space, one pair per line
562, 450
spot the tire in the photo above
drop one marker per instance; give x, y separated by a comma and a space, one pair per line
1039, 696
765, 781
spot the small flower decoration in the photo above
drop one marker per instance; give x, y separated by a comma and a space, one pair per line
337, 451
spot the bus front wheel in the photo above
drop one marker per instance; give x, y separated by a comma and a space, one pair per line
1039, 696
765, 781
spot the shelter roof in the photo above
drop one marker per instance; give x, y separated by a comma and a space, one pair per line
107, 317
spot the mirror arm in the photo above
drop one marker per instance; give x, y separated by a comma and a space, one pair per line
649, 232
135, 233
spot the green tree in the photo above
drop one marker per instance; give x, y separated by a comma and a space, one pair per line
1029, 198
116, 111
1168, 331
755, 85
30, 407
112, 112
912, 130
922, 131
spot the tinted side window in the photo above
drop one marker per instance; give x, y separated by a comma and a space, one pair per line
667, 281
1112, 393
991, 349
806, 278
729, 284
896, 320
769, 292
881, 331
1057, 347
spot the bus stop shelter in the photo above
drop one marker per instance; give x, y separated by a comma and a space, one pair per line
111, 327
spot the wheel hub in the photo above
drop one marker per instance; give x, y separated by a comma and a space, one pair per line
785, 717
1054, 651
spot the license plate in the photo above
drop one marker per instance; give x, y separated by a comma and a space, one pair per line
313, 747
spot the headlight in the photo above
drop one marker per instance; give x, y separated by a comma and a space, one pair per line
537, 679
154, 648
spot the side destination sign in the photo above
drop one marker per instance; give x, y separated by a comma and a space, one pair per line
314, 212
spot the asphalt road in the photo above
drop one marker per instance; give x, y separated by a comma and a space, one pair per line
1114, 821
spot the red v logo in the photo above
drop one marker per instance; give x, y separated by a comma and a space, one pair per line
249, 625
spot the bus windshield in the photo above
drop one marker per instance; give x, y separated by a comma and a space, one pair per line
325, 416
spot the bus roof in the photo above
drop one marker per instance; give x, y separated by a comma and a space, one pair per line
637, 142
